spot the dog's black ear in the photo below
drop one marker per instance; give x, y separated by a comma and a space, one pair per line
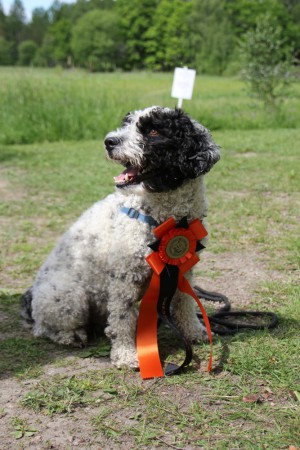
201, 153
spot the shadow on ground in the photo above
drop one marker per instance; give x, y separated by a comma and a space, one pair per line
23, 355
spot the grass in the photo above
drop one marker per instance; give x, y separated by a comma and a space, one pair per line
51, 191
251, 401
51, 105
148, 414
61, 395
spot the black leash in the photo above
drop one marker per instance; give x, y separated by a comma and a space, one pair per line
168, 286
221, 322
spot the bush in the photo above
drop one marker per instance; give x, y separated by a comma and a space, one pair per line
27, 51
266, 60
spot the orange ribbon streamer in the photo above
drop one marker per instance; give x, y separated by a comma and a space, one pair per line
147, 345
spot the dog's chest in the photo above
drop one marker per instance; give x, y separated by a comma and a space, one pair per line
130, 240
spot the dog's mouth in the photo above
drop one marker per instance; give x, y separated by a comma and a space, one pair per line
132, 175
129, 176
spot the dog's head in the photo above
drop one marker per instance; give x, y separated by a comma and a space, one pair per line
161, 148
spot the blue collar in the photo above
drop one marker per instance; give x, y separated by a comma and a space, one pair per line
134, 214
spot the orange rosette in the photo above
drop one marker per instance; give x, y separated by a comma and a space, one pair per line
176, 246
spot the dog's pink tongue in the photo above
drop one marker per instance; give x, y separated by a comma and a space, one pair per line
130, 172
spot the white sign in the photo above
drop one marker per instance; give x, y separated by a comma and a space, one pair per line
183, 84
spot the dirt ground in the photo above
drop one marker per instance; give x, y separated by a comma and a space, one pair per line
235, 274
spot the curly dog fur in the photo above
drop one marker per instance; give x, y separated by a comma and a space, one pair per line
97, 273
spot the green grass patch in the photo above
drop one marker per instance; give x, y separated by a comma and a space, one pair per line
61, 395
52, 104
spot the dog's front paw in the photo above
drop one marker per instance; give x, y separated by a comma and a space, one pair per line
196, 332
124, 357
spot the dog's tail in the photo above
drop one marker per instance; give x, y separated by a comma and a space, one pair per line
26, 308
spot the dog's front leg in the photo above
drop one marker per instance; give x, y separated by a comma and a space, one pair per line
122, 322
185, 317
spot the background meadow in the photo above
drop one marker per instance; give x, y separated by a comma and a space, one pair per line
52, 167
52, 105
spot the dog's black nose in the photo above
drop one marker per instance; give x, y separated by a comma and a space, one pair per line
110, 143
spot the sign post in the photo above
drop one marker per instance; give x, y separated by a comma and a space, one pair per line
183, 84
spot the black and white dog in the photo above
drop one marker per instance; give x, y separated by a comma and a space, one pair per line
97, 273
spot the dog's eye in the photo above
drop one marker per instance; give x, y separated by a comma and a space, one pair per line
153, 133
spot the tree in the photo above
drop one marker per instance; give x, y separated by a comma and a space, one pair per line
59, 10
102, 4
166, 40
56, 47
15, 26
177, 32
266, 59
38, 26
292, 28
5, 52
96, 41
2, 21
27, 50
42, 57
81, 7
211, 40
136, 17
243, 16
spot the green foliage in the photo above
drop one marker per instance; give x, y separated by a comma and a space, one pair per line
243, 16
211, 39
59, 10
5, 52
42, 57
16, 18
27, 50
267, 60
15, 23
2, 21
166, 40
136, 18
37, 28
56, 44
152, 34
96, 41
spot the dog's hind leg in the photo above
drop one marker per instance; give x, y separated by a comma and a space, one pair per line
62, 316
